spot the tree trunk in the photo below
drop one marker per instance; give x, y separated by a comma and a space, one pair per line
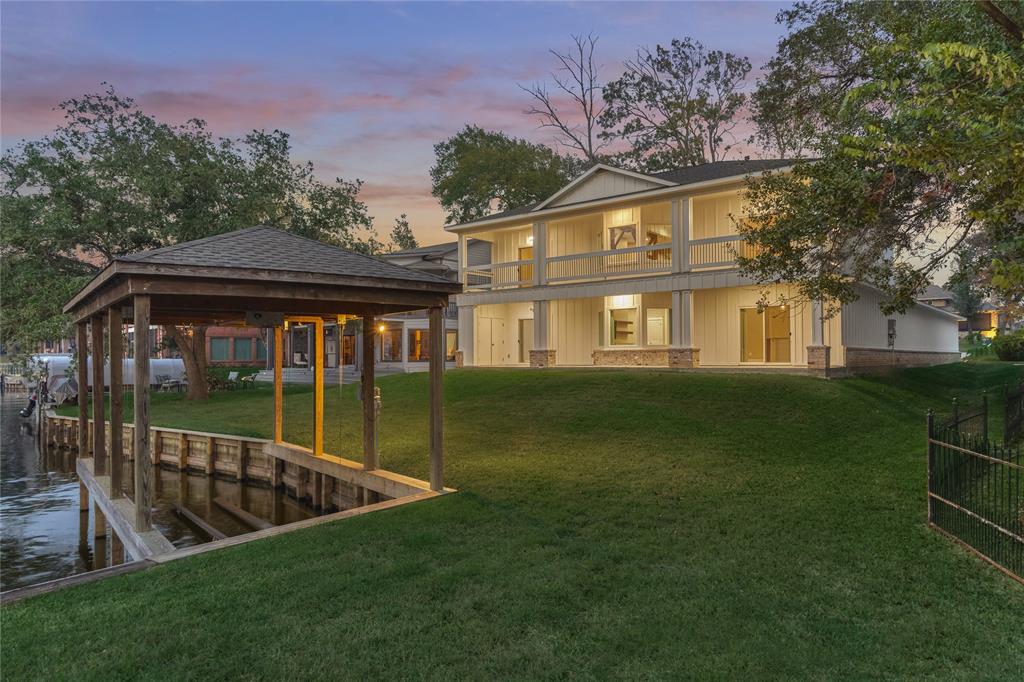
193, 352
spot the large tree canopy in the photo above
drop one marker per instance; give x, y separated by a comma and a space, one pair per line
113, 180
914, 110
477, 171
675, 106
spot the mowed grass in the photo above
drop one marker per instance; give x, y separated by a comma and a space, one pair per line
609, 524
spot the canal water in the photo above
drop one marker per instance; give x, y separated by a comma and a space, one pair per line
43, 535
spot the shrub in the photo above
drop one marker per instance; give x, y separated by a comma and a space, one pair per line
1009, 346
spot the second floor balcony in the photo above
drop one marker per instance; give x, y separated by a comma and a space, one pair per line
623, 243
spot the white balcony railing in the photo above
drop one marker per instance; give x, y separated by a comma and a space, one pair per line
718, 251
638, 260
500, 275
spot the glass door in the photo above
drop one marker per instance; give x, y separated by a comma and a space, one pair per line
777, 335
526, 271
765, 336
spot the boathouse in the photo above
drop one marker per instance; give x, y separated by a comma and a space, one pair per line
260, 276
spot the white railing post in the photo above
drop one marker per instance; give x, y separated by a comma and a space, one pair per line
540, 248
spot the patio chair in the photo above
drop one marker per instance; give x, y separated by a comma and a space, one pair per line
248, 381
232, 380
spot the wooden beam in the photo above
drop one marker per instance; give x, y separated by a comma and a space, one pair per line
143, 463
99, 418
437, 357
116, 344
278, 384
318, 388
82, 353
367, 392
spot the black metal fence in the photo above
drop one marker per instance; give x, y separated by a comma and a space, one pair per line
976, 491
967, 419
1013, 406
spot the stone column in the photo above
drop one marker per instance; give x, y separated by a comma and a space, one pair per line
818, 353
681, 353
541, 355
464, 355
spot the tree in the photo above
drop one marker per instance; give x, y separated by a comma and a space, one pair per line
402, 237
675, 106
477, 170
915, 112
577, 79
113, 180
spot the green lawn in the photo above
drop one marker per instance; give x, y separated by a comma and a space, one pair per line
609, 524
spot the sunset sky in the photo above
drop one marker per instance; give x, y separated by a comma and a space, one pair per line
365, 90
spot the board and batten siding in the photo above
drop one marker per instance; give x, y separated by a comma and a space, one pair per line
505, 244
575, 235
921, 329
496, 332
604, 184
713, 215
574, 329
716, 318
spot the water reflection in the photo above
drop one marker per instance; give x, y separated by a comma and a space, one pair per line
43, 535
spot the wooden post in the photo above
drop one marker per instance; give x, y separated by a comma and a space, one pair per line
318, 389
369, 411
143, 494
99, 522
83, 389
210, 450
114, 323
436, 399
116, 550
278, 385
183, 452
83, 498
99, 417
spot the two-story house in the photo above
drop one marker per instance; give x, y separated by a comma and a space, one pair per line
626, 268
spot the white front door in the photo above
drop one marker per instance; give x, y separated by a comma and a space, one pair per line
490, 341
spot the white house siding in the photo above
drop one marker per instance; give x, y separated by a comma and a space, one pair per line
604, 184
713, 215
920, 329
496, 332
505, 244
716, 317
574, 329
576, 235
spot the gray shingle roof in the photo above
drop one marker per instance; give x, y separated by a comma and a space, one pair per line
720, 169
932, 292
268, 248
715, 170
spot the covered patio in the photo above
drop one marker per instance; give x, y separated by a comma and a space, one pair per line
260, 276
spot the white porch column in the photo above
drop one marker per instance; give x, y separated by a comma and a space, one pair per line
818, 353
542, 354
682, 353
404, 346
682, 214
463, 256
464, 356
540, 247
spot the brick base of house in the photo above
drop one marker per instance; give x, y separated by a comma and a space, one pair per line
630, 357
542, 358
861, 360
684, 358
819, 360
460, 360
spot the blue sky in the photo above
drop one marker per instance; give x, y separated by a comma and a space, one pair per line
365, 89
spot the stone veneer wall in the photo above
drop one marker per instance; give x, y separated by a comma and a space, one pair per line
879, 359
542, 358
606, 357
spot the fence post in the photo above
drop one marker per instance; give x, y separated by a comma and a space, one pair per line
984, 420
929, 458
1006, 412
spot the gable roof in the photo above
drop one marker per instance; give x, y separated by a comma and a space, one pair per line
679, 177
934, 293
269, 248
651, 181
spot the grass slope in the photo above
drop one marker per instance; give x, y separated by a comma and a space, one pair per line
613, 523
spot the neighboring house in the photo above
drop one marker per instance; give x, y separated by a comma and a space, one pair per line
987, 321
236, 346
401, 339
625, 268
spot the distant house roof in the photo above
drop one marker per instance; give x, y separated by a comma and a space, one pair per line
432, 249
679, 177
935, 293
269, 248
